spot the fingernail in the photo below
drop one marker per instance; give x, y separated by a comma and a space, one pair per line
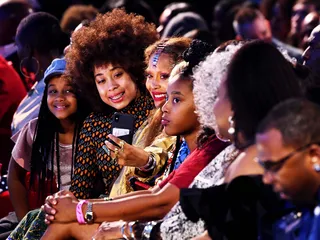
106, 149
54, 202
53, 212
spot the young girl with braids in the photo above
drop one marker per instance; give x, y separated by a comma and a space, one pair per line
44, 147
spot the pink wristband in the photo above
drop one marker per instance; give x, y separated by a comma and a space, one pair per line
79, 213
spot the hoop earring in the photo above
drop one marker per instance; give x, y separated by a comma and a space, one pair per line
24, 62
231, 129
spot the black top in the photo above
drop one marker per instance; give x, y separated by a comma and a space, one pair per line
242, 209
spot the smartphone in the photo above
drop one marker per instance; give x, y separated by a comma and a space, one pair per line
122, 126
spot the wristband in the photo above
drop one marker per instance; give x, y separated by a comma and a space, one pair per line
79, 212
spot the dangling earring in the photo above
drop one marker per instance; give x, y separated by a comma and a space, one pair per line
25, 64
316, 167
231, 129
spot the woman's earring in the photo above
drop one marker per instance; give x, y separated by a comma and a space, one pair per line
29, 63
231, 129
316, 167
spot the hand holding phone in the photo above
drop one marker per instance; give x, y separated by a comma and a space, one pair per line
123, 126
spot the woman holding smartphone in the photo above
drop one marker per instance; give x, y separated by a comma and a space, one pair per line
106, 59
158, 147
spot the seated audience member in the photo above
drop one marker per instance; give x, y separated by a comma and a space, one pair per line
74, 15
251, 87
311, 55
12, 92
309, 23
155, 204
208, 76
112, 81
11, 13
288, 150
300, 10
58, 122
140, 7
39, 40
183, 23
159, 148
251, 24
55, 130
170, 11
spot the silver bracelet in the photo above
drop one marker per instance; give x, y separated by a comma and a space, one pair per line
131, 230
146, 234
150, 164
122, 229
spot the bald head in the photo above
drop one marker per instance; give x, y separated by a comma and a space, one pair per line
11, 13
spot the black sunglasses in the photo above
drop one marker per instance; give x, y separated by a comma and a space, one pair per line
274, 166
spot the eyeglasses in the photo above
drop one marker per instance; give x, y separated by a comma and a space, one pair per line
274, 166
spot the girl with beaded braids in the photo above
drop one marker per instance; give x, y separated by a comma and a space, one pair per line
107, 61
178, 118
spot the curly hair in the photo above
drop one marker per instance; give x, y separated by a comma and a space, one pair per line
208, 76
115, 37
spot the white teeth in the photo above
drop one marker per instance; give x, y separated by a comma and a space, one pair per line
117, 97
60, 107
159, 95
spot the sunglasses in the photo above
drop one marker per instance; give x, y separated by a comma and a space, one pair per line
274, 166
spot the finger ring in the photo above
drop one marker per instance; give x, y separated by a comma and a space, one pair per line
121, 144
104, 147
116, 152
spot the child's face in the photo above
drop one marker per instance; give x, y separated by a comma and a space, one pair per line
61, 98
179, 116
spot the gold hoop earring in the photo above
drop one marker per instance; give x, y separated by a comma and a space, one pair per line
25, 64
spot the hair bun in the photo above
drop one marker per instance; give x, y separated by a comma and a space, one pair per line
197, 51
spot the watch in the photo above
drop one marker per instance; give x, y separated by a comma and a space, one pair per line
89, 213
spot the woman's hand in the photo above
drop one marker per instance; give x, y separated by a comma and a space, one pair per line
126, 154
49, 206
108, 231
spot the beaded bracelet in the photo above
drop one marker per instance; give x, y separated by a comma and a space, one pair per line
79, 212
